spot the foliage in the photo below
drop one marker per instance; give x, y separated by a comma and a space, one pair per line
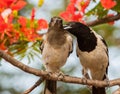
17, 31
19, 34
77, 9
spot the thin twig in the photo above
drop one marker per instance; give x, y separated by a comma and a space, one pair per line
34, 86
104, 20
117, 91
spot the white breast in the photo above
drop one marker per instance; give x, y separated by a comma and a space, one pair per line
96, 61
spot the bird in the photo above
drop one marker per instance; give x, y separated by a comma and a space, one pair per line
56, 47
92, 51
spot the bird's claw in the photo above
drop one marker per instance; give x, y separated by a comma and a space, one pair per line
48, 74
60, 75
107, 82
84, 80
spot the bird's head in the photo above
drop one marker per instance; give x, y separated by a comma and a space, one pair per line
76, 28
56, 22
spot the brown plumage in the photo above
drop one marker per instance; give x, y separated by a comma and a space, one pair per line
56, 47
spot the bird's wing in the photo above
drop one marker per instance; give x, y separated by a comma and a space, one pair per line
77, 50
43, 42
70, 42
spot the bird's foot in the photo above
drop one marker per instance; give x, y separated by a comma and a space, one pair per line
85, 73
48, 74
60, 75
84, 80
107, 82
86, 76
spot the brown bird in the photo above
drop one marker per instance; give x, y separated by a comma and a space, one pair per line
56, 47
92, 51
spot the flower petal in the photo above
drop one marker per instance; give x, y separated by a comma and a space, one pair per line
108, 4
22, 21
42, 24
19, 5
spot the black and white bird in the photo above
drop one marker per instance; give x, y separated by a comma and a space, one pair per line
92, 51
56, 47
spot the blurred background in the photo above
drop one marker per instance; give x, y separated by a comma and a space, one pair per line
15, 81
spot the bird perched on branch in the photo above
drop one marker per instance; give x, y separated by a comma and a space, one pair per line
56, 47
92, 51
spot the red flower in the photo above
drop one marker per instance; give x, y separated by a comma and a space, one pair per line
27, 29
2, 45
29, 34
33, 14
108, 4
18, 5
73, 1
71, 8
15, 36
13, 4
4, 28
82, 5
22, 21
75, 10
2, 4
42, 24
71, 14
9, 2
77, 17
3, 25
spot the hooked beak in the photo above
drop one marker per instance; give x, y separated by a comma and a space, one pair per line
67, 27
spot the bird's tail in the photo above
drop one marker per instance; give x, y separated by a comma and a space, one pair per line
98, 90
50, 87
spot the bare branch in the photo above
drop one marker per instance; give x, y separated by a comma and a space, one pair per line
104, 20
52, 76
34, 86
117, 91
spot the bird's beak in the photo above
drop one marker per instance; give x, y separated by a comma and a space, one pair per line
67, 27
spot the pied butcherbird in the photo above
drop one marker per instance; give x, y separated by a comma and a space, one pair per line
56, 47
92, 51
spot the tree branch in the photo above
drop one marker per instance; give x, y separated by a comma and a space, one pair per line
117, 91
104, 20
34, 86
52, 76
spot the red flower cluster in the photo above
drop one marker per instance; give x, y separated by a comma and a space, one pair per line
23, 28
108, 4
30, 27
12, 4
8, 34
75, 10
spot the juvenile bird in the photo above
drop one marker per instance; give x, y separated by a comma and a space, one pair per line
56, 47
92, 51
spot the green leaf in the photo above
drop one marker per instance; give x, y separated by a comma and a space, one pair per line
98, 10
31, 55
37, 54
29, 59
25, 49
22, 56
117, 7
94, 0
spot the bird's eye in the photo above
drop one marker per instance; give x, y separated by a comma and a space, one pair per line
60, 21
52, 20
